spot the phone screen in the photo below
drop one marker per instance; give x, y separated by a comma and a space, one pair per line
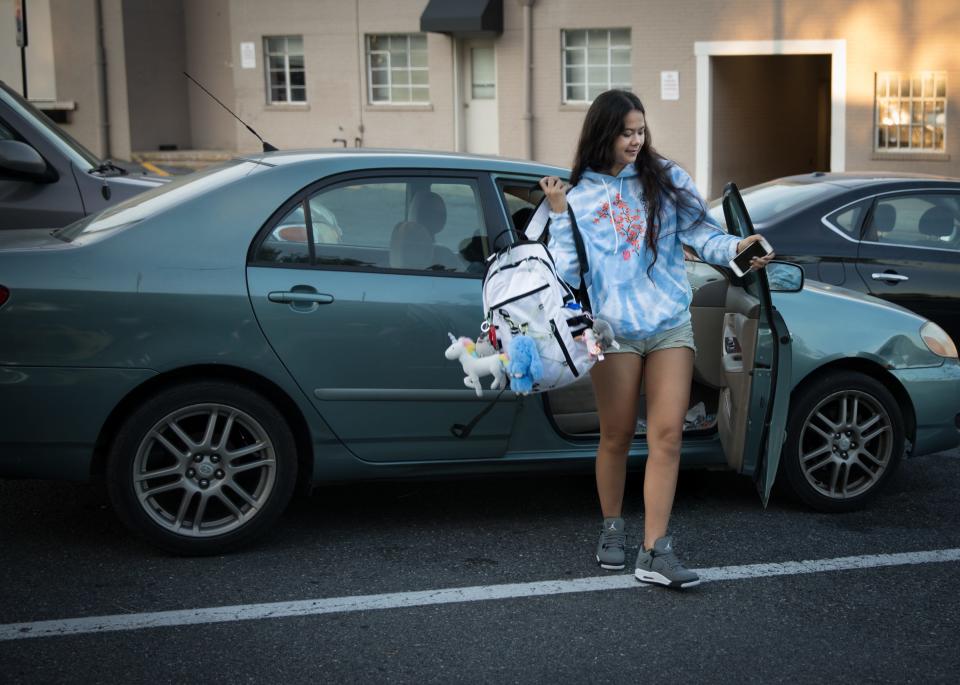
742, 260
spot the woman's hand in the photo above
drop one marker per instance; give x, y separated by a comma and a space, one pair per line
756, 263
556, 192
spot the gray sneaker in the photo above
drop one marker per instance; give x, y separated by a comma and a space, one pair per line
660, 565
610, 548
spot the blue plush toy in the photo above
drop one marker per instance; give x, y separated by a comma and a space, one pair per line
525, 367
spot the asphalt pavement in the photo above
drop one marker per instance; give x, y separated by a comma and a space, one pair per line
519, 598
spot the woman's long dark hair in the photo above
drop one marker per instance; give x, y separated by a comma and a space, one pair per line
602, 125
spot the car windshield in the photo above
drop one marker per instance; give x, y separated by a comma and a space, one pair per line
154, 201
82, 157
768, 200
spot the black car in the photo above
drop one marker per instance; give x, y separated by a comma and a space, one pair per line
895, 236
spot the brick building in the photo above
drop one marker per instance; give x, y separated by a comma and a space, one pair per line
739, 89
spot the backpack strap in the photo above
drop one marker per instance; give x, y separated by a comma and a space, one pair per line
584, 265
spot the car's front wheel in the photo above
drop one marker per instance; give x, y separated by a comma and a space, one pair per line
202, 468
845, 437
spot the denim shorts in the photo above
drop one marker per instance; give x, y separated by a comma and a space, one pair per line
681, 336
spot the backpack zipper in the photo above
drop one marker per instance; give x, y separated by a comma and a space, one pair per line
519, 297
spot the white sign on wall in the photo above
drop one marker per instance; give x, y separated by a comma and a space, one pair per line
669, 85
248, 56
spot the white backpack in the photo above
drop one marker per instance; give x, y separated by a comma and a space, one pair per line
524, 294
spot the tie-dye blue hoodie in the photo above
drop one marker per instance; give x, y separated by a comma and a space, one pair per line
612, 217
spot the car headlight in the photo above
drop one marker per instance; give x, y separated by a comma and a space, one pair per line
937, 340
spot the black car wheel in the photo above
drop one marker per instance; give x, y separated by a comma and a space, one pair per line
202, 468
845, 438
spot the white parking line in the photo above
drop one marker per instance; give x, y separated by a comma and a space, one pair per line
310, 607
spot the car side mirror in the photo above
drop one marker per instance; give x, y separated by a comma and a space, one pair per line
20, 162
784, 277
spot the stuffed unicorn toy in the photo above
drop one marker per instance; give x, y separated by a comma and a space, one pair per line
464, 349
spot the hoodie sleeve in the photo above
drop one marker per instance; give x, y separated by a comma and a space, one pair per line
562, 248
706, 236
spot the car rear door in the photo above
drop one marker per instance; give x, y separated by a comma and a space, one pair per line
768, 394
910, 253
357, 282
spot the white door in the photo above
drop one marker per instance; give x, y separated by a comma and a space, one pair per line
481, 119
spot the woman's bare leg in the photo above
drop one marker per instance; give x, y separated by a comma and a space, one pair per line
616, 384
668, 374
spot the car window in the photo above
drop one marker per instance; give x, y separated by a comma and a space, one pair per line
420, 224
921, 220
769, 200
849, 219
521, 198
5, 133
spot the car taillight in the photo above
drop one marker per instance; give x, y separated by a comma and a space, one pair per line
4, 295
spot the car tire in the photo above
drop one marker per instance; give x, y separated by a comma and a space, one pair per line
845, 438
202, 468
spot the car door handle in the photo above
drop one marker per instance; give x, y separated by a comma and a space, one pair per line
294, 297
889, 277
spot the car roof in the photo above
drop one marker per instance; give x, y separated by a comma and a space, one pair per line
390, 157
854, 179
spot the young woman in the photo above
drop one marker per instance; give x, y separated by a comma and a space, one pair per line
637, 211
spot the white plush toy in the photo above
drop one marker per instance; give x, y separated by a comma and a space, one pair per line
464, 349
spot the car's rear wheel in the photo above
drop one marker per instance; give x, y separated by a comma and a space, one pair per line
845, 437
202, 468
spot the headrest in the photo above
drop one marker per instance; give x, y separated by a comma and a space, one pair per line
884, 218
428, 208
937, 221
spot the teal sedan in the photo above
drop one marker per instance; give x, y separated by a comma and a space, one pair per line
216, 344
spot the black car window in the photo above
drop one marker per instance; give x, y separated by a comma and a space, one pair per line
396, 223
849, 219
5, 133
922, 220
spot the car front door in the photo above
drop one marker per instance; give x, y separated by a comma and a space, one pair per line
910, 254
357, 283
766, 397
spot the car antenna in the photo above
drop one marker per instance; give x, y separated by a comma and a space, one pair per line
267, 147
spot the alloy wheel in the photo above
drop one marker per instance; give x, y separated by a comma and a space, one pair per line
204, 470
846, 444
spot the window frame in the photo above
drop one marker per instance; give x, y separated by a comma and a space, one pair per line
288, 87
564, 50
886, 100
389, 69
486, 191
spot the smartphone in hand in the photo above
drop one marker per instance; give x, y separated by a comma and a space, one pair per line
741, 263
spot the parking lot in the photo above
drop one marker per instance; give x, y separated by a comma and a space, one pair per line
490, 580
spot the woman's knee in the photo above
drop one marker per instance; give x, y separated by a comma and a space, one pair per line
616, 440
665, 440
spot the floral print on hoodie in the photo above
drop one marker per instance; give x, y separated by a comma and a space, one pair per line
612, 217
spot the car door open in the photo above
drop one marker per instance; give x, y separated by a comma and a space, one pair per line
756, 367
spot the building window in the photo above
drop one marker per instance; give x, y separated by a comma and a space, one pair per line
285, 77
594, 60
911, 112
397, 69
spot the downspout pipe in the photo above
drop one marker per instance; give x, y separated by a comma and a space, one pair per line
102, 77
527, 6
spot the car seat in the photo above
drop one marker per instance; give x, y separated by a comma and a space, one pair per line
883, 220
411, 246
430, 211
936, 223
